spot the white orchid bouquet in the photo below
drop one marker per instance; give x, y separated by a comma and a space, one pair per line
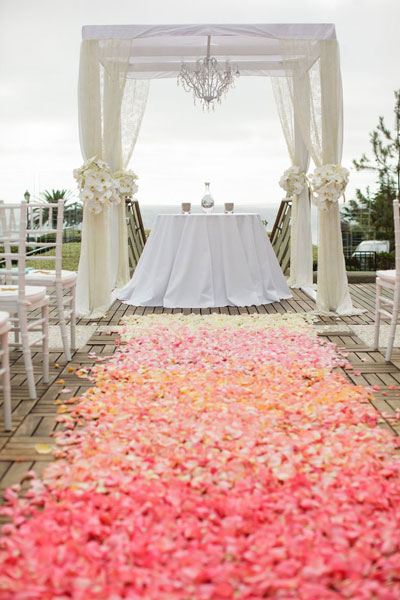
125, 183
293, 181
96, 185
328, 184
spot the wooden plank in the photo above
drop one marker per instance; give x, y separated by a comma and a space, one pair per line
28, 426
14, 473
46, 426
139, 220
283, 208
280, 235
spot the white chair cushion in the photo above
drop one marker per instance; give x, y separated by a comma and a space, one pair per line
32, 293
389, 274
48, 275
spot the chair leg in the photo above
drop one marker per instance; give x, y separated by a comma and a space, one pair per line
45, 343
377, 316
6, 383
26, 349
393, 324
61, 318
73, 317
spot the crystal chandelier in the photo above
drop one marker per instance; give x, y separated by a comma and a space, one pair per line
208, 82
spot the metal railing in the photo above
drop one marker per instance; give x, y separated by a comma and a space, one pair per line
360, 260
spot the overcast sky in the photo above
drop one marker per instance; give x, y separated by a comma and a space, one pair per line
239, 148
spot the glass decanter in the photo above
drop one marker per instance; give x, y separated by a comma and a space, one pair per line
207, 201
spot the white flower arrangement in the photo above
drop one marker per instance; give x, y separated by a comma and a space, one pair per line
328, 184
96, 185
125, 183
293, 181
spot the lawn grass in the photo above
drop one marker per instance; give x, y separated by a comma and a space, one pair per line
71, 252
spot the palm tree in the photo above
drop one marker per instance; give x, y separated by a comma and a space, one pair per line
73, 213
53, 197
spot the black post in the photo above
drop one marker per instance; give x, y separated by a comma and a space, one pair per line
27, 197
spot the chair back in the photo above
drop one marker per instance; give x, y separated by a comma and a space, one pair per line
13, 244
396, 218
44, 233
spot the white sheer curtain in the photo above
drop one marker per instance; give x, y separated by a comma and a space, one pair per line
333, 291
319, 115
93, 293
301, 261
111, 109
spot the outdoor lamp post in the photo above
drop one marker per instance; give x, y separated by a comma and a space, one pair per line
27, 197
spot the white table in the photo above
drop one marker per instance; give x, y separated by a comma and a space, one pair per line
206, 260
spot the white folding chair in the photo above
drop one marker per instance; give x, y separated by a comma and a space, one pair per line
389, 280
5, 327
45, 228
19, 299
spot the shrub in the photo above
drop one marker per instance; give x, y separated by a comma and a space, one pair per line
385, 260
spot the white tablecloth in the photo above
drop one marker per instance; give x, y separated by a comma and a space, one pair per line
206, 260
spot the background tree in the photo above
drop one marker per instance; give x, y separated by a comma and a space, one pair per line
72, 208
373, 212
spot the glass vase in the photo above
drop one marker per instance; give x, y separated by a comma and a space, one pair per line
207, 201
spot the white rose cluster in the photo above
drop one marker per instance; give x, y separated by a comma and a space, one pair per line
328, 184
293, 181
125, 182
96, 185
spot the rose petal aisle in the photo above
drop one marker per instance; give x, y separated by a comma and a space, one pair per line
214, 457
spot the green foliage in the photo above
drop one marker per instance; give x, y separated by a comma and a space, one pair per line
385, 260
373, 212
70, 260
70, 257
49, 238
386, 151
73, 211
55, 195
71, 235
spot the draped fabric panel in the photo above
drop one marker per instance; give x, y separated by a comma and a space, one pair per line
319, 115
301, 262
111, 109
93, 293
132, 111
333, 292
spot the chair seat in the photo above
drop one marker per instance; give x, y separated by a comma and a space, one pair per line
389, 275
49, 276
32, 293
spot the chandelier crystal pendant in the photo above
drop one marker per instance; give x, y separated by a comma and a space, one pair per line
207, 80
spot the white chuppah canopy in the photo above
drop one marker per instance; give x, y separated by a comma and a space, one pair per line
117, 62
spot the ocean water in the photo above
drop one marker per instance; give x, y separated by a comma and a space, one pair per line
267, 212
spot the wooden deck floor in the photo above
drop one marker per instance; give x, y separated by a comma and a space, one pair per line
34, 420
363, 296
